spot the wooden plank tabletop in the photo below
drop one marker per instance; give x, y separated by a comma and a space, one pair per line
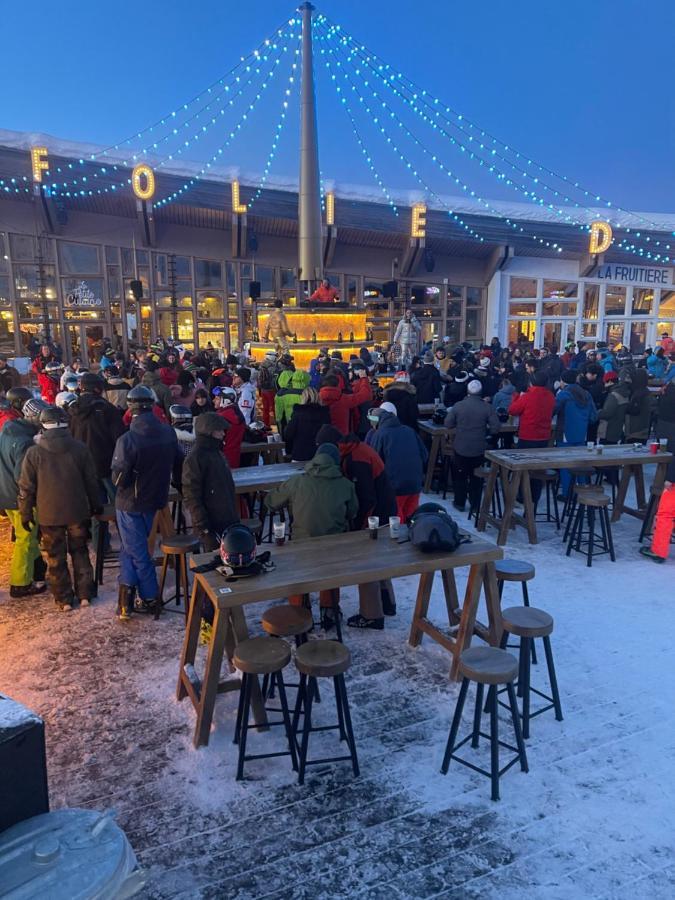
276, 447
574, 457
264, 478
433, 429
337, 560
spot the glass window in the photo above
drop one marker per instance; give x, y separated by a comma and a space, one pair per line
559, 308
352, 282
371, 290
454, 301
114, 283
231, 280
7, 330
210, 305
142, 257
589, 330
560, 289
127, 261
183, 267
116, 309
667, 305
185, 324
4, 290
614, 333
523, 309
523, 287
26, 282
164, 300
430, 330
79, 259
23, 247
84, 294
452, 330
265, 275
430, 294
643, 300
4, 254
161, 270
234, 336
615, 300
143, 278
638, 337
287, 278
35, 310
474, 296
522, 332
215, 338
473, 324
208, 273
112, 256
591, 301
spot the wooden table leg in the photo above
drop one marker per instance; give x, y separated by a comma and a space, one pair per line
639, 476
493, 604
162, 525
421, 607
431, 465
240, 630
451, 598
209, 688
621, 493
528, 506
486, 505
191, 637
468, 619
660, 476
510, 492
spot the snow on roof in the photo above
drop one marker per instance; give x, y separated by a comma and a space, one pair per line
22, 140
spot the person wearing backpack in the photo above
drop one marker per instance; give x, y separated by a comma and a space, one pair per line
267, 375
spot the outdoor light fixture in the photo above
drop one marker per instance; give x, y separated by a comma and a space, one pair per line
601, 237
38, 159
330, 208
237, 207
143, 172
419, 221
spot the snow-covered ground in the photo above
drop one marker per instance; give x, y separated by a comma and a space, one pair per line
595, 816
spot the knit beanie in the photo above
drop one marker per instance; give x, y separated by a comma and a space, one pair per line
208, 422
389, 407
569, 377
329, 450
328, 434
474, 387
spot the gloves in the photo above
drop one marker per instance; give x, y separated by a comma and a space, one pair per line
27, 525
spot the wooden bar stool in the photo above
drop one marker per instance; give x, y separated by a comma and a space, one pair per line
177, 515
493, 667
105, 519
323, 659
175, 550
530, 623
516, 570
483, 474
588, 504
577, 491
577, 477
287, 621
550, 479
262, 656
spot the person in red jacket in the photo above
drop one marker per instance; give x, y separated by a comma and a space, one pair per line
225, 400
13, 404
171, 369
49, 379
535, 409
341, 404
325, 293
157, 411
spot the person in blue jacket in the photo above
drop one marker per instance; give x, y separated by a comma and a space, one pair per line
575, 411
403, 454
144, 461
607, 360
657, 363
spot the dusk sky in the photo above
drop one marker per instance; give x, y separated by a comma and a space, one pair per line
584, 88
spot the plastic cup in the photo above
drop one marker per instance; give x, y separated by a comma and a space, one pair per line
394, 526
270, 438
280, 534
653, 447
373, 525
590, 445
663, 445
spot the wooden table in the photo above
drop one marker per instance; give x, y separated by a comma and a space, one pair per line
333, 562
428, 409
516, 466
253, 479
438, 434
271, 453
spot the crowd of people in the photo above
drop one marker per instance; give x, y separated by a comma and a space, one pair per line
164, 415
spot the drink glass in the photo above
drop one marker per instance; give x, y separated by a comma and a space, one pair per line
394, 526
270, 438
663, 445
373, 525
590, 445
280, 534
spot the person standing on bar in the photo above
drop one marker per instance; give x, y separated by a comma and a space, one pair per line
277, 328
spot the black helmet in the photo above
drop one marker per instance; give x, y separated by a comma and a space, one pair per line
180, 415
140, 398
53, 417
33, 408
238, 547
17, 396
90, 382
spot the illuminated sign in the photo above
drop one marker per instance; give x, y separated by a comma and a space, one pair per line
601, 237
38, 157
236, 205
82, 295
620, 272
419, 220
330, 208
143, 182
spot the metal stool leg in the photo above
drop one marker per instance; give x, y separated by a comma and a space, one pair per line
525, 644
454, 728
526, 602
477, 715
281, 687
516, 727
610, 539
552, 678
246, 688
494, 741
348, 723
307, 725
590, 512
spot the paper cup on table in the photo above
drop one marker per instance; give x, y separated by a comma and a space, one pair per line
394, 526
373, 525
590, 445
280, 533
270, 438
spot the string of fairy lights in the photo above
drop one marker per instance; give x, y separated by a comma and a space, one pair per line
370, 89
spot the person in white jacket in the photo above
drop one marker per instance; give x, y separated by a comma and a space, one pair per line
407, 335
241, 381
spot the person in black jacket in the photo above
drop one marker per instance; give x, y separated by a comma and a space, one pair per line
143, 463
455, 390
591, 380
208, 486
404, 397
306, 419
427, 380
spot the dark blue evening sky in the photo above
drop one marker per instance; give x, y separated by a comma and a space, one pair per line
584, 87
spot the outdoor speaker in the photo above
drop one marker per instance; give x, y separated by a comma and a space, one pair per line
418, 295
23, 766
390, 289
254, 290
136, 289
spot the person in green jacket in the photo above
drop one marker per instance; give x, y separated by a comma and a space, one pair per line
290, 385
322, 501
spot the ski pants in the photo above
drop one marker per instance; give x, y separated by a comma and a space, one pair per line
664, 523
59, 541
137, 568
25, 552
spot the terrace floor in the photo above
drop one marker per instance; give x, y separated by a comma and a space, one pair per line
595, 816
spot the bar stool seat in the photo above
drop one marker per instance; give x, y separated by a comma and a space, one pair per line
323, 659
514, 570
262, 656
527, 621
592, 505
175, 550
489, 666
594, 498
287, 621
